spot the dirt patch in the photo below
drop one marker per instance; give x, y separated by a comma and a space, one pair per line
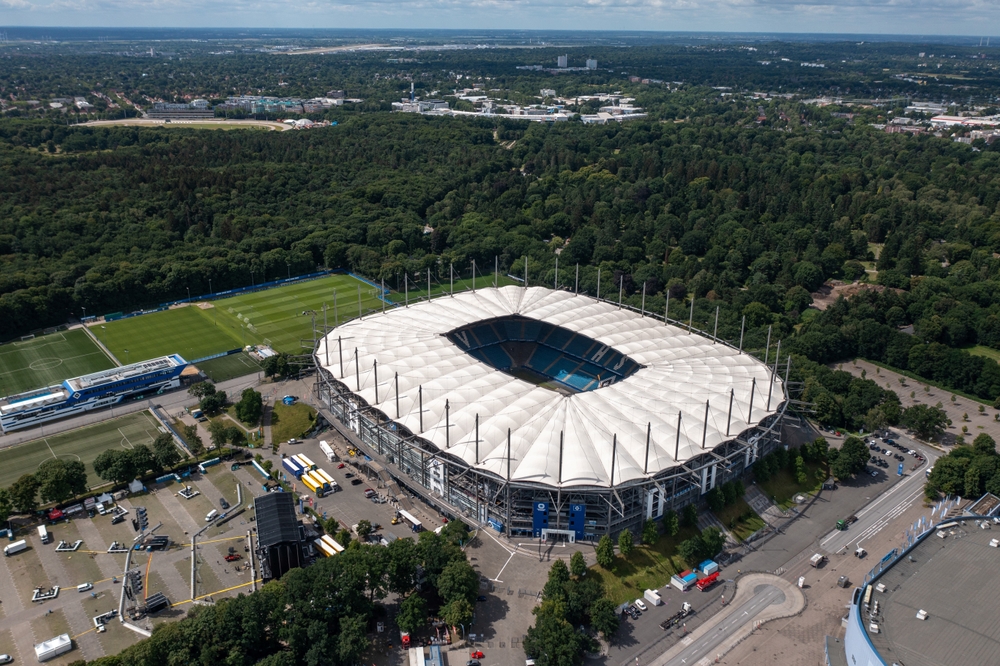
204, 305
178, 305
831, 290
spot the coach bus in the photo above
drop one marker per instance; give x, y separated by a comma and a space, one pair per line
307, 464
324, 476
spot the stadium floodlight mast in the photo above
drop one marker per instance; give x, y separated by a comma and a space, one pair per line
555, 284
336, 313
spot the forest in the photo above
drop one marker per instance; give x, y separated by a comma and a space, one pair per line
747, 206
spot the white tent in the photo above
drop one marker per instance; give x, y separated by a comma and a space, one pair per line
681, 373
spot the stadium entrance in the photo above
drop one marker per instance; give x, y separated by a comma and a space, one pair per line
543, 354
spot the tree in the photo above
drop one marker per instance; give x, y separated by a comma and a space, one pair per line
689, 515
401, 568
457, 612
193, 440
276, 366
217, 431
800, 470
715, 499
555, 586
6, 505
985, 445
165, 451
364, 528
625, 543
459, 580
24, 494
926, 421
143, 460
603, 617
236, 436
577, 565
59, 479
115, 466
352, 640
671, 523
412, 612
456, 531
250, 407
606, 552
202, 389
343, 537
331, 525
552, 641
213, 403
650, 532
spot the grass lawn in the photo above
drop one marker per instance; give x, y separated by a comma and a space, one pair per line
988, 352
83, 444
740, 519
782, 487
648, 567
48, 359
288, 421
228, 367
189, 331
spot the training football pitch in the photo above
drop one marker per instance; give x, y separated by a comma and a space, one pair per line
273, 316
83, 444
48, 359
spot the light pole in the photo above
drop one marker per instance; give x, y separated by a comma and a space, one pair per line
289, 267
126, 357
210, 286
84, 311
189, 293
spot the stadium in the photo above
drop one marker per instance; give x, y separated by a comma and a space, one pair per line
932, 602
545, 413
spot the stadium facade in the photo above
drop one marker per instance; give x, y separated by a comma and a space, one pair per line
544, 413
88, 392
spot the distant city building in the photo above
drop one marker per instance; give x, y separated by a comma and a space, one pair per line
562, 62
164, 110
548, 92
591, 64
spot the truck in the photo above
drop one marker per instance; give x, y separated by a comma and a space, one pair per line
842, 524
293, 466
675, 619
817, 559
15, 547
43, 534
327, 451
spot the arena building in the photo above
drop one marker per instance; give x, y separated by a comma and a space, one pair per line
546, 413
931, 603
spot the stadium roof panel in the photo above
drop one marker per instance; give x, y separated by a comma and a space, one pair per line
681, 372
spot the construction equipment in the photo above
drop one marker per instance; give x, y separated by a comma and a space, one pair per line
675, 619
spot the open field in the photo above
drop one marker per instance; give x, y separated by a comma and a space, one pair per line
988, 352
84, 444
288, 421
186, 331
740, 519
48, 359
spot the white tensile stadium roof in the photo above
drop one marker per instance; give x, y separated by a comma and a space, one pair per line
681, 372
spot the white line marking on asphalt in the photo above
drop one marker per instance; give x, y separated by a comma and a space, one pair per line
497, 579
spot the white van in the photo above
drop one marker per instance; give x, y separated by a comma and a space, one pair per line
211, 516
83, 587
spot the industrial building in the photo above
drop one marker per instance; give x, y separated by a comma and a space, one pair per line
545, 413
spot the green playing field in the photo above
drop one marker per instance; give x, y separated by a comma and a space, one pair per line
83, 444
188, 331
48, 359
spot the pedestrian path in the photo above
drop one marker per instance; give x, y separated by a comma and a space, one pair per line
765, 508
708, 519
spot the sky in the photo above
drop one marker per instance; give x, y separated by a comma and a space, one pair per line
903, 17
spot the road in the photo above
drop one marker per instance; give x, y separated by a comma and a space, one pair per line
879, 513
763, 597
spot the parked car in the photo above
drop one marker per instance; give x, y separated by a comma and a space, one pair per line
640, 604
356, 482
6, 659
477, 655
117, 519
472, 662
234, 557
223, 503
348, 474
481, 598
873, 473
341, 466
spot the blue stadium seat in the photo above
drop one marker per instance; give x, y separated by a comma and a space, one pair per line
498, 358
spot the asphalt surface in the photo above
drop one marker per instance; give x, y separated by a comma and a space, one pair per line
763, 597
876, 515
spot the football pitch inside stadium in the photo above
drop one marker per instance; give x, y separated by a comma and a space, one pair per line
83, 444
48, 359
